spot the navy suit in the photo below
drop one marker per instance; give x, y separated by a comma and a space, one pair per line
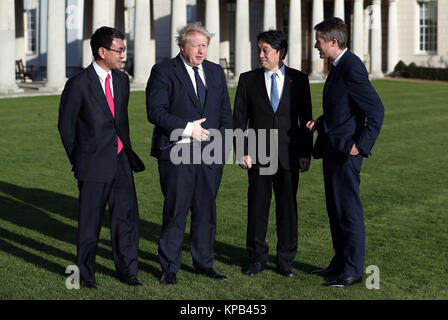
352, 114
171, 103
89, 133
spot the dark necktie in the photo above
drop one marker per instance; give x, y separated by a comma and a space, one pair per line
200, 88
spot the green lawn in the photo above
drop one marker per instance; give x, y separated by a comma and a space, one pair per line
404, 193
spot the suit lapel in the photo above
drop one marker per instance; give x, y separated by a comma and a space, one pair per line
117, 94
286, 89
261, 87
210, 89
97, 91
182, 75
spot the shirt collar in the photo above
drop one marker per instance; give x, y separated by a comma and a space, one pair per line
101, 72
187, 65
335, 62
280, 72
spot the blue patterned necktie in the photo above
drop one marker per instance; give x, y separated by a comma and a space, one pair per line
200, 88
274, 93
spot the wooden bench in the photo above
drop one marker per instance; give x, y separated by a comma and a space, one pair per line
24, 71
226, 66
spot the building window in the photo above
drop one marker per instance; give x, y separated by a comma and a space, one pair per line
191, 14
31, 39
428, 26
285, 16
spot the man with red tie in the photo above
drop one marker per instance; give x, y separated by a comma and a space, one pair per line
94, 128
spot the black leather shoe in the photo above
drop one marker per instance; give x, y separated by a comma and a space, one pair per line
89, 284
131, 281
287, 273
326, 272
168, 278
212, 273
343, 281
254, 269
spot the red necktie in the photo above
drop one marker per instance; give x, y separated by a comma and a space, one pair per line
110, 102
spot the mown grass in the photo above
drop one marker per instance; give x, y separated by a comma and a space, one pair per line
404, 193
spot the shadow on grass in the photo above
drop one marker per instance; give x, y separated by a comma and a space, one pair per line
28, 208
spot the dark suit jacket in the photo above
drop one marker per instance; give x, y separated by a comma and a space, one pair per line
253, 107
353, 112
89, 131
171, 102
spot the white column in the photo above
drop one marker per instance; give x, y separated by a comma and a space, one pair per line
102, 13
269, 15
339, 9
56, 45
7, 39
392, 38
212, 22
143, 52
178, 20
317, 64
295, 34
358, 29
376, 60
242, 44
367, 37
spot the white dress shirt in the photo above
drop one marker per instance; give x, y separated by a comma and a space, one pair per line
335, 62
189, 128
280, 79
102, 74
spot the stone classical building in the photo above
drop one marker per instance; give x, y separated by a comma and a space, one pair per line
53, 35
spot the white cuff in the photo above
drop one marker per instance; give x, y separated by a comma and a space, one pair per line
188, 131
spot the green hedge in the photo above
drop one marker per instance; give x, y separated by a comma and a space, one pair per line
414, 71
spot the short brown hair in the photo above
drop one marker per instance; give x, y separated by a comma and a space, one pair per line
333, 28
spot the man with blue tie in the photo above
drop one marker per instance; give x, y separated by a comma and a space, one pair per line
274, 98
347, 130
188, 93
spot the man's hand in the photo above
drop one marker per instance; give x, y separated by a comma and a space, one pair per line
199, 133
246, 162
304, 164
354, 151
311, 125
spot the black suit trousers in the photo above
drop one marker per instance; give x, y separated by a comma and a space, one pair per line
120, 196
188, 187
285, 184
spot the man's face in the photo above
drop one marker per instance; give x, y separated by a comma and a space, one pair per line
195, 50
113, 55
269, 57
325, 48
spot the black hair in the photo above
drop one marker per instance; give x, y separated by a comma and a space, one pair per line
333, 28
103, 37
275, 38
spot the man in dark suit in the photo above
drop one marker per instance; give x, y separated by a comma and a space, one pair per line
94, 128
347, 130
188, 94
274, 97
